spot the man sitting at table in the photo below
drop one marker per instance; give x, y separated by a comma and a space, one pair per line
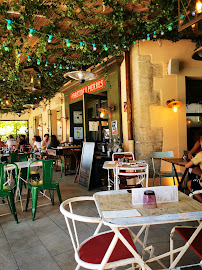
196, 184
22, 142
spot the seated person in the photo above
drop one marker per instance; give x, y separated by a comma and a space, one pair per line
45, 142
11, 142
195, 150
2, 144
22, 142
36, 143
196, 184
54, 142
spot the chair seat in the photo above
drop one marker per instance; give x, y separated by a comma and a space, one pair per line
169, 174
186, 233
36, 183
6, 188
94, 250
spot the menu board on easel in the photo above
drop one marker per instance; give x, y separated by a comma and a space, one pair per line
86, 164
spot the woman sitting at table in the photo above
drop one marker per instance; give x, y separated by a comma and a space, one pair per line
196, 184
54, 142
36, 143
45, 142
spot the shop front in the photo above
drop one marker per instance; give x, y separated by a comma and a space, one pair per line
93, 108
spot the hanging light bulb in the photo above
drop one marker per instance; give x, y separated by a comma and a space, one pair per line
3, 77
102, 115
148, 37
67, 42
46, 64
29, 58
31, 31
18, 53
81, 45
94, 48
38, 62
60, 66
198, 7
175, 108
50, 38
54, 65
9, 26
105, 47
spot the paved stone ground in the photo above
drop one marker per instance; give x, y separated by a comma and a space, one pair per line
45, 243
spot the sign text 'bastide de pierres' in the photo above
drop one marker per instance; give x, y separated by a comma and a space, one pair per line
99, 84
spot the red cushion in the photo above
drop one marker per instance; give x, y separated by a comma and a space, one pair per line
129, 156
196, 245
94, 250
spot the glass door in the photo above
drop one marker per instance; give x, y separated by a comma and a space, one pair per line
95, 123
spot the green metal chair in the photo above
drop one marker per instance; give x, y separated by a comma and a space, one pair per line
6, 190
45, 183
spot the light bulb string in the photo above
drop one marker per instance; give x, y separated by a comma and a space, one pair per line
82, 43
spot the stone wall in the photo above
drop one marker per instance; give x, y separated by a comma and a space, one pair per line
147, 138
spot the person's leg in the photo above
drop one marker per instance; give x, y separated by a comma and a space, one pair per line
197, 170
195, 186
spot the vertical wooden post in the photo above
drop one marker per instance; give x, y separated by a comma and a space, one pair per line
129, 95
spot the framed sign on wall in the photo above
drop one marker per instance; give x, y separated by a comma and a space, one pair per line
77, 117
78, 133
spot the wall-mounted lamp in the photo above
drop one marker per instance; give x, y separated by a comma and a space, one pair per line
174, 104
105, 111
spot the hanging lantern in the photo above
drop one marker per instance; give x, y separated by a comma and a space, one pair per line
5, 102
31, 79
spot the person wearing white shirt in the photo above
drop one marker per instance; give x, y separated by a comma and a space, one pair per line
36, 142
11, 142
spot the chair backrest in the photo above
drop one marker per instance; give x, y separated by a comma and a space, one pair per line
129, 155
138, 171
13, 157
22, 157
166, 154
47, 171
3, 177
66, 208
159, 155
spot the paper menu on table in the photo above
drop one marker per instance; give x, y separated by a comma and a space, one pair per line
164, 194
121, 213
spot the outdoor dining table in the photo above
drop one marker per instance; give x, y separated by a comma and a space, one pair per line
117, 211
179, 162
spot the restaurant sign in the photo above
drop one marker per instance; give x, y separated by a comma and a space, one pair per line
99, 84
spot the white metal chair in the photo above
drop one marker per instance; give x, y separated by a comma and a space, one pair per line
187, 233
160, 174
102, 250
116, 157
137, 171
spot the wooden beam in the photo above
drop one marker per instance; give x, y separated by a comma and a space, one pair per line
129, 95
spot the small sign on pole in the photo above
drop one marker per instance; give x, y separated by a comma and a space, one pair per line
114, 128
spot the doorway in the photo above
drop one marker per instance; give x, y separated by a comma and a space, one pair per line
86, 122
193, 110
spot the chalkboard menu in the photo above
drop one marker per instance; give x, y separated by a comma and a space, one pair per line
86, 164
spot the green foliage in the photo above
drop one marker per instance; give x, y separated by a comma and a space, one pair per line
12, 128
114, 23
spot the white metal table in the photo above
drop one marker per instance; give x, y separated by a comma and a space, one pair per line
113, 207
